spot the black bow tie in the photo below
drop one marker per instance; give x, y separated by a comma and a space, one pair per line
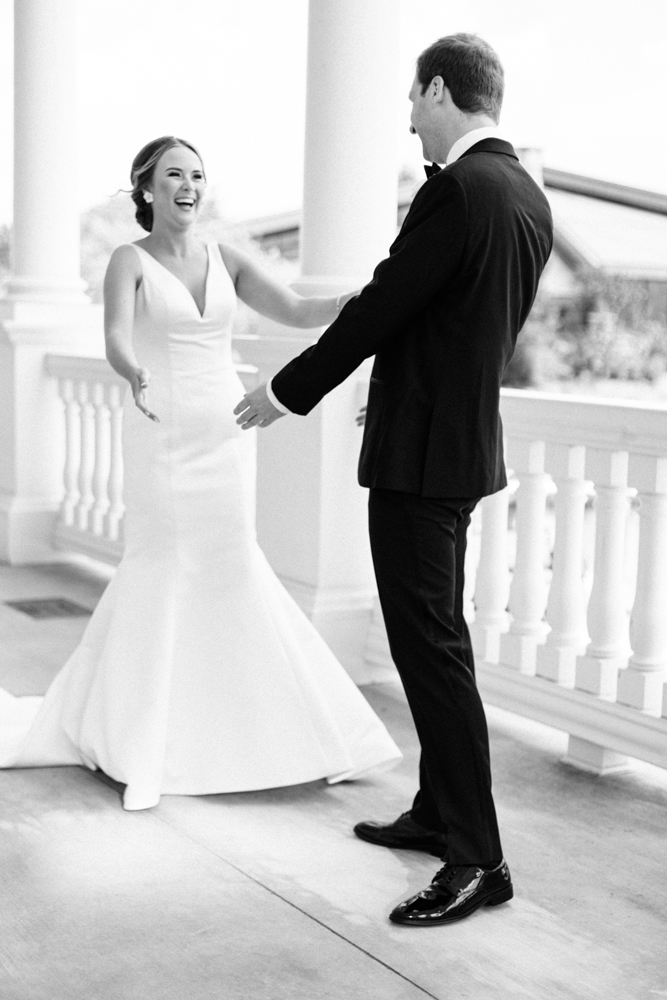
431, 168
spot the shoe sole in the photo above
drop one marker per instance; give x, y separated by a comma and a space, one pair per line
435, 850
501, 896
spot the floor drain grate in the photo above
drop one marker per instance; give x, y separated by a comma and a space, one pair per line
49, 607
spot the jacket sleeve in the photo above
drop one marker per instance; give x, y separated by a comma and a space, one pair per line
422, 260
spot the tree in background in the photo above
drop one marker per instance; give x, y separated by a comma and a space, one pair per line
609, 330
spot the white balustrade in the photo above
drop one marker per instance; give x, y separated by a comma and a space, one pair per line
608, 697
92, 510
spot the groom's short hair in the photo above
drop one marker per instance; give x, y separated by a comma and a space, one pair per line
471, 70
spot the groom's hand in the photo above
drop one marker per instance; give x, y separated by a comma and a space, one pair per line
256, 409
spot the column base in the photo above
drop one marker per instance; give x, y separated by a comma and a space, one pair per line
557, 664
27, 531
641, 689
342, 616
51, 292
599, 676
594, 759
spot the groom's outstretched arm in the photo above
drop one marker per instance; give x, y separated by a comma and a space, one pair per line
422, 260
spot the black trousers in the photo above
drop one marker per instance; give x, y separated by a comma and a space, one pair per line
418, 550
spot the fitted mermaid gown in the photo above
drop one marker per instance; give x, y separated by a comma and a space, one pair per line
197, 673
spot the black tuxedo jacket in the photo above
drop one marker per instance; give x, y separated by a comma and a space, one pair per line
441, 316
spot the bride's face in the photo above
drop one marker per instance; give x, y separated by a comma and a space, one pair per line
178, 186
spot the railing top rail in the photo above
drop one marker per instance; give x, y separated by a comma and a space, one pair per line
618, 425
72, 366
99, 369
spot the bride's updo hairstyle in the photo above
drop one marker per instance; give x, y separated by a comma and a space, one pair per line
143, 168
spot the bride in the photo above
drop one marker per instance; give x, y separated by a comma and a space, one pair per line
197, 673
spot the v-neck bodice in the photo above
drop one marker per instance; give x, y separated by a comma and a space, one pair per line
181, 282
169, 331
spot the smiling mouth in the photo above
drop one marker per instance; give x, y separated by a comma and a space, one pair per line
185, 202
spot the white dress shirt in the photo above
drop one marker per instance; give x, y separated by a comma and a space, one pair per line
470, 138
458, 149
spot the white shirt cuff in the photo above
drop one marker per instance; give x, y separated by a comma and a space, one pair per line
276, 402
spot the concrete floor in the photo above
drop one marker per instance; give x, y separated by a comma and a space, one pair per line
270, 895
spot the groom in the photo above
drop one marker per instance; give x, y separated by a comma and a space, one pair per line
441, 316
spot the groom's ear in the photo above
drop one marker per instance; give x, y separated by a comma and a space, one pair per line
437, 89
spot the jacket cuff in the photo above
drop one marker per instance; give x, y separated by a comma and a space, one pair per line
274, 399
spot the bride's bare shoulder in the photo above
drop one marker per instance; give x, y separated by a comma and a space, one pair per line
232, 259
124, 261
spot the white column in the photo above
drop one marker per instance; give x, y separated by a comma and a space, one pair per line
641, 684
311, 514
528, 592
46, 220
45, 308
557, 659
351, 170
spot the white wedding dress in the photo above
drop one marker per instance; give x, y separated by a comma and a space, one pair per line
197, 673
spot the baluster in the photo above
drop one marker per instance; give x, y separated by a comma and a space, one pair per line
528, 590
116, 508
72, 452
557, 659
597, 671
606, 654
101, 467
87, 453
640, 686
492, 585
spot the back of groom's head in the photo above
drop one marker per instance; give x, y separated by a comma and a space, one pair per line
470, 69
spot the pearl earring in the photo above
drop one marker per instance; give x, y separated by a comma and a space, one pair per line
148, 197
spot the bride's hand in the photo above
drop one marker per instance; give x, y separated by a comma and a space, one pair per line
139, 382
361, 417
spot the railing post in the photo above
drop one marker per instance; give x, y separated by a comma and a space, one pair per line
597, 670
557, 659
528, 592
607, 652
640, 686
492, 584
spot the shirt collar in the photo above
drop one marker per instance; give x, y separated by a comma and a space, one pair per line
470, 138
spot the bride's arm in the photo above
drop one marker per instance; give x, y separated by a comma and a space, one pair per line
120, 287
271, 298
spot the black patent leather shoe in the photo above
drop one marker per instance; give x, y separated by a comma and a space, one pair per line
455, 892
405, 833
